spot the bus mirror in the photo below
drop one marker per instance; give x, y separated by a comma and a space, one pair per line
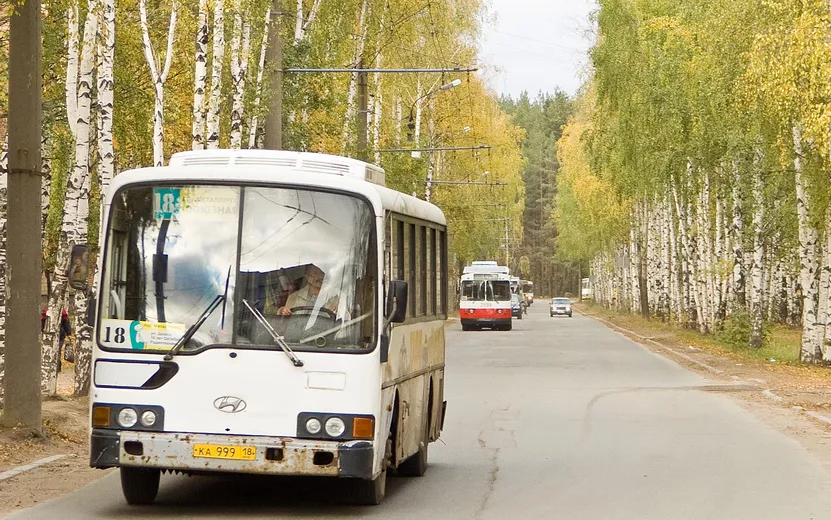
91, 305
385, 347
397, 301
79, 267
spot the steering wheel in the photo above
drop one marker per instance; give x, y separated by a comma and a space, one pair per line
329, 313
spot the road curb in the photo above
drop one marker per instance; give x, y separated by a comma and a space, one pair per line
21, 469
770, 395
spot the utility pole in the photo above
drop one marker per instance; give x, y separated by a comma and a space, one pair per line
273, 138
363, 112
23, 246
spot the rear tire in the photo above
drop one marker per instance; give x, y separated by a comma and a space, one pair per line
465, 327
508, 327
569, 315
416, 464
140, 485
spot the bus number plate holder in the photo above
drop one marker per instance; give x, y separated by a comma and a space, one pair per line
222, 451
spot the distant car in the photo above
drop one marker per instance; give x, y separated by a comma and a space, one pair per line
560, 307
518, 306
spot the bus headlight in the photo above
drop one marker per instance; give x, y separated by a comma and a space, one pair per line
148, 418
313, 426
127, 418
335, 427
470, 311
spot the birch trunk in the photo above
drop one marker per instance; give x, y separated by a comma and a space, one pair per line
241, 49
252, 136
301, 25
718, 277
824, 314
72, 67
215, 101
201, 77
76, 207
353, 78
811, 350
739, 285
4, 177
159, 78
687, 272
106, 157
757, 274
676, 297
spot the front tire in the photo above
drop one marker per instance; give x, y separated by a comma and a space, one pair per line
465, 328
140, 485
368, 492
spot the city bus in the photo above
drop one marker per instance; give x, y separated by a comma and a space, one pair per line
485, 297
528, 291
267, 312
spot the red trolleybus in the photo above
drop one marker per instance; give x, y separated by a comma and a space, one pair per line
485, 299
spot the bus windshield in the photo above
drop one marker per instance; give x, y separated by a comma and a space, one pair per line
486, 290
304, 259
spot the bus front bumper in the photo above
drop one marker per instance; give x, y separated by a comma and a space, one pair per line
273, 455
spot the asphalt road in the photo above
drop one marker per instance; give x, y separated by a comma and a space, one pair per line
559, 418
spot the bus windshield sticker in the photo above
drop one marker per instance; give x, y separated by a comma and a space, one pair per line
166, 202
140, 335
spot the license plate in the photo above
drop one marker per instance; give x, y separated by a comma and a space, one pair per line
220, 451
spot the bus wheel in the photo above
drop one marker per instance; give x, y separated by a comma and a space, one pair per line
368, 492
465, 327
508, 327
140, 485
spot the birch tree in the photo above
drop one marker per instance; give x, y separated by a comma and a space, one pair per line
158, 74
240, 50
200, 77
757, 272
106, 157
76, 210
215, 100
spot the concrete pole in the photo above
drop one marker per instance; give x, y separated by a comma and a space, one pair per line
363, 112
273, 133
23, 246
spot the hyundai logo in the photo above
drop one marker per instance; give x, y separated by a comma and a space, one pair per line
229, 404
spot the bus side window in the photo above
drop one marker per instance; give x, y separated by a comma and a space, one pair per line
442, 252
432, 273
399, 251
422, 271
411, 267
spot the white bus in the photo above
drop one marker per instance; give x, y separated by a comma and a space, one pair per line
485, 299
267, 312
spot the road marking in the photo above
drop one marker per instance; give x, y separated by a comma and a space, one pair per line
20, 469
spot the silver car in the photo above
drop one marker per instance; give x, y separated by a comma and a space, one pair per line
560, 307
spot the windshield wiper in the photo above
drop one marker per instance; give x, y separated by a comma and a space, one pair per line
220, 298
193, 328
278, 339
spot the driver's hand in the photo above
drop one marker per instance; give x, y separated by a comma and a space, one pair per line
285, 311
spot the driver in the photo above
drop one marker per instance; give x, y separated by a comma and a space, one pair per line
307, 295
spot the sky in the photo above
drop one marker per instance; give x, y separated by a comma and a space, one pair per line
536, 45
